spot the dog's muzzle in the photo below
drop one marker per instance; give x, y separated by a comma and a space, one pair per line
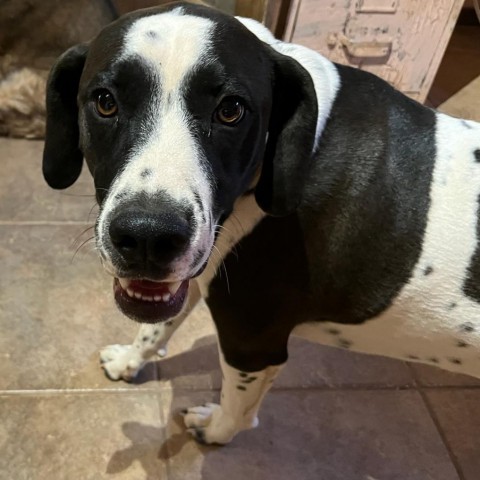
146, 246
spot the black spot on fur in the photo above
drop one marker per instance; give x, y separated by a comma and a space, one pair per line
120, 195
471, 285
333, 331
146, 173
476, 154
455, 361
169, 323
433, 360
249, 380
156, 332
151, 34
145, 339
342, 342
452, 305
413, 357
467, 327
242, 388
462, 344
428, 270
243, 374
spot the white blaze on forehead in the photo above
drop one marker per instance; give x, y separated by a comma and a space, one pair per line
173, 45
172, 42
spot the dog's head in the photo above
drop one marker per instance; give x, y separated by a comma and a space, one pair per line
178, 111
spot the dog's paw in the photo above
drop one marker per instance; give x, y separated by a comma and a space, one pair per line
120, 362
209, 425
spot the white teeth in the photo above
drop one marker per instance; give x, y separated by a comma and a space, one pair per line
172, 290
173, 287
124, 282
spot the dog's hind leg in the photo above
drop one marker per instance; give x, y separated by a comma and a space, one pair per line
125, 361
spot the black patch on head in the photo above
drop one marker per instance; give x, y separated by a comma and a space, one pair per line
146, 173
467, 327
242, 388
343, 343
471, 286
108, 142
428, 270
476, 154
455, 361
462, 344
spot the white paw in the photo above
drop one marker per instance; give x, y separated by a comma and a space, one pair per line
208, 424
120, 361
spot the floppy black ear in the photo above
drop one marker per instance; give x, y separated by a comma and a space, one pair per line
291, 138
62, 158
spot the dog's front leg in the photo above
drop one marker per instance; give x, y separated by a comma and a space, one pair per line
125, 361
242, 395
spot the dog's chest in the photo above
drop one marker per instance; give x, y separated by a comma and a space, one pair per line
436, 316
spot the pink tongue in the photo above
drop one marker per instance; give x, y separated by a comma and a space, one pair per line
149, 287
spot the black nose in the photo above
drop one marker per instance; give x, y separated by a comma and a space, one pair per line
143, 238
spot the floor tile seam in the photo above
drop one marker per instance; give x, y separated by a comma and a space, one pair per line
441, 433
419, 384
42, 223
81, 391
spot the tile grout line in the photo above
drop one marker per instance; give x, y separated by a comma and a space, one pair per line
28, 223
438, 426
160, 388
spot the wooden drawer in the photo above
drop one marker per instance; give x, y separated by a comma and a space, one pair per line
402, 41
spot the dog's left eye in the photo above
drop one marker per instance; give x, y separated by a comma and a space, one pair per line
230, 111
105, 104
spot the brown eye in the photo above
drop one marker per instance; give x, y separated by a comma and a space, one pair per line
105, 104
230, 111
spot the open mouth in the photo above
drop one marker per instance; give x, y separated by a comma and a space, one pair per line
150, 302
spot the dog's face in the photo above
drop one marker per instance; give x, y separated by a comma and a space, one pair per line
172, 113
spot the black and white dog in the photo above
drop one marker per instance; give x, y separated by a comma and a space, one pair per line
344, 211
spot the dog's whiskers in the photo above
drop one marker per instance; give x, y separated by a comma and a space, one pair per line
83, 244
222, 263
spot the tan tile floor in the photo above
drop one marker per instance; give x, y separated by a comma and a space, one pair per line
333, 415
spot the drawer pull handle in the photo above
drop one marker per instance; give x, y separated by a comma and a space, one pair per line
372, 49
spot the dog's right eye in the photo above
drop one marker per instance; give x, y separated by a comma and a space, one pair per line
105, 104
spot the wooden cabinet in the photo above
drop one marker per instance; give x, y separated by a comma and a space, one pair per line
402, 41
